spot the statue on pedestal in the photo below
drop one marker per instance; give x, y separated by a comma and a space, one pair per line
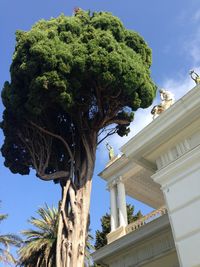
167, 99
111, 151
195, 77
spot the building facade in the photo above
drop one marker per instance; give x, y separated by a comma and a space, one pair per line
160, 167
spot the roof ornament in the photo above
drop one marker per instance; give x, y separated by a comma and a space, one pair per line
110, 151
195, 77
167, 99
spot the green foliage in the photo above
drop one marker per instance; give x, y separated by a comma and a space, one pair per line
101, 235
101, 239
88, 250
39, 247
5, 242
72, 74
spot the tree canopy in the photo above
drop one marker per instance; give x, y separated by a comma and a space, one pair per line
71, 75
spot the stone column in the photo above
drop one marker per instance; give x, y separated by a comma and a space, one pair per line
113, 206
122, 202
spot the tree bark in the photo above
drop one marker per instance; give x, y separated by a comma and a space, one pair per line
73, 217
75, 203
72, 227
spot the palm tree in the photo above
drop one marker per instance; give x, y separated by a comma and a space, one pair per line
5, 241
39, 248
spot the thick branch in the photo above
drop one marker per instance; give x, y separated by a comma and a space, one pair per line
56, 136
73, 203
53, 176
62, 209
117, 95
117, 121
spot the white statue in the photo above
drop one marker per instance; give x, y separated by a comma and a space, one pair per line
167, 99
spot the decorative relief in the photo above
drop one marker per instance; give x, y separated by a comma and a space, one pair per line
119, 179
173, 153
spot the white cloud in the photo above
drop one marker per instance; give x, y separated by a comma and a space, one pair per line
179, 86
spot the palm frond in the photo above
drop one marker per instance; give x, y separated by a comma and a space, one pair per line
6, 241
10, 239
39, 246
6, 257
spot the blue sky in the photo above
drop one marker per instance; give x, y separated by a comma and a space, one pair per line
172, 30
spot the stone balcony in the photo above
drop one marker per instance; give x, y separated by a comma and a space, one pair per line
148, 242
146, 219
123, 230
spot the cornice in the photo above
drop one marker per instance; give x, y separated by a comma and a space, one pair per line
168, 124
178, 169
149, 230
118, 168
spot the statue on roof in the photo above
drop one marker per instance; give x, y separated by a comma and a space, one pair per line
195, 77
111, 151
167, 99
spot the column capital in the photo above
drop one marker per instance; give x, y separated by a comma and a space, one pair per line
111, 184
119, 179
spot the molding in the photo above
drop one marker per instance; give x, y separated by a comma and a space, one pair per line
178, 169
116, 234
178, 150
111, 161
152, 241
168, 124
133, 238
184, 205
173, 154
188, 235
118, 168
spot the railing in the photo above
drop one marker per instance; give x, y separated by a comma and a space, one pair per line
146, 219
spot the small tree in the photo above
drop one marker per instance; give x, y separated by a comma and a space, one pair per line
101, 239
72, 77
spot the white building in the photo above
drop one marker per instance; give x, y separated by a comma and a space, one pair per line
160, 167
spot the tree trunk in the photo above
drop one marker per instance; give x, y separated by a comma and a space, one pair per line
73, 223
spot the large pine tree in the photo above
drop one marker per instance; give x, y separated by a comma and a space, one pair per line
72, 77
